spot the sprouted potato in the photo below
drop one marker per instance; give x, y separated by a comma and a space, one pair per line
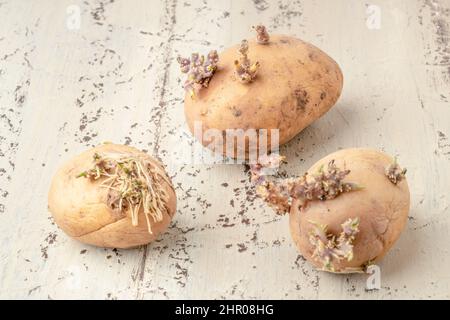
277, 83
112, 196
346, 212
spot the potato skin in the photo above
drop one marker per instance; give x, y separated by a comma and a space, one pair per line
381, 206
296, 84
78, 205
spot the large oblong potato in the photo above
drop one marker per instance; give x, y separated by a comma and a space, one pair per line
381, 207
296, 84
80, 207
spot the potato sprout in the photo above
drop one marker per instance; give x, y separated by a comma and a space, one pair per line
327, 248
394, 173
262, 36
324, 185
133, 182
199, 71
245, 70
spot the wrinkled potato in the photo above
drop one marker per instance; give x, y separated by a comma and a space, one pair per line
346, 212
296, 83
112, 196
380, 205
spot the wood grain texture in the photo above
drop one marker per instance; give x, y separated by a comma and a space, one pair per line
116, 79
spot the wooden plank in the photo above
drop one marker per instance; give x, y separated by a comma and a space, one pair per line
115, 78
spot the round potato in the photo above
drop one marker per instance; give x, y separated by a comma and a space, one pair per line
112, 196
296, 83
353, 229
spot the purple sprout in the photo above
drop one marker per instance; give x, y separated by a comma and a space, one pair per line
394, 173
199, 71
262, 36
245, 70
326, 184
328, 249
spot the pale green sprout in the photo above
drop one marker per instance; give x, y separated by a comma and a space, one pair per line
133, 182
327, 248
394, 173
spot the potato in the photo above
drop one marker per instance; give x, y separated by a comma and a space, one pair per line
346, 212
296, 83
85, 204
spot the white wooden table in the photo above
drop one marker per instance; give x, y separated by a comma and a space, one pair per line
68, 84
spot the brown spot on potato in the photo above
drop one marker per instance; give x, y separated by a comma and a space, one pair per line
302, 98
236, 112
316, 76
323, 95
